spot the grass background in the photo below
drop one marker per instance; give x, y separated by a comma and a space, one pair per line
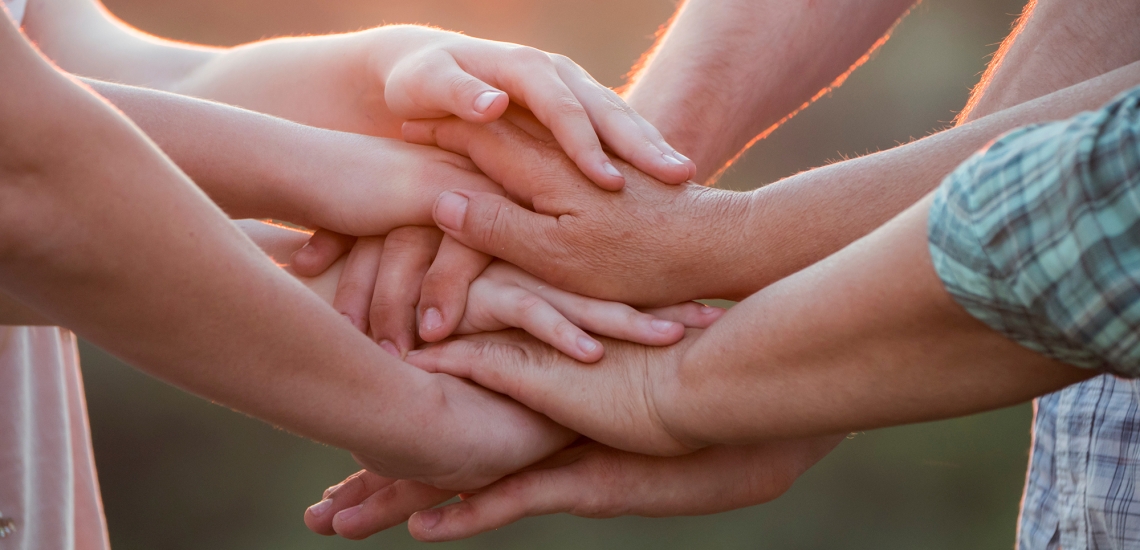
179, 473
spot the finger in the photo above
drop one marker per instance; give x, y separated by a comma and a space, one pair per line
357, 281
612, 319
525, 166
534, 83
323, 249
617, 320
519, 308
690, 314
494, 225
488, 359
434, 85
443, 297
511, 499
387, 507
347, 494
625, 131
408, 253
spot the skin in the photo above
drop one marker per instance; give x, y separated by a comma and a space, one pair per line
366, 82
713, 99
258, 166
78, 180
718, 243
855, 185
864, 339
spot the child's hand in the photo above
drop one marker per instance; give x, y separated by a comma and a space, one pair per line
430, 73
503, 296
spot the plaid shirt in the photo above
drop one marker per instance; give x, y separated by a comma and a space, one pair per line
1038, 236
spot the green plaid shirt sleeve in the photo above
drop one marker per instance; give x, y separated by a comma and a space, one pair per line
1038, 236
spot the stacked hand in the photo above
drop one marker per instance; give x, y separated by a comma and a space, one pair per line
590, 235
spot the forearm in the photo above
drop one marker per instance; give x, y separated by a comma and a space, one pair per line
331, 92
728, 71
1056, 44
106, 237
251, 165
867, 338
789, 225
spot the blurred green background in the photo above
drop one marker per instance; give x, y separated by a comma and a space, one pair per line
180, 473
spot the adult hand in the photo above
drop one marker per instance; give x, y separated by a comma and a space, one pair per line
589, 480
429, 73
614, 401
648, 245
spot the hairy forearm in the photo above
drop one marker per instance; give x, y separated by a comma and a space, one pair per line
864, 339
728, 71
1056, 44
800, 220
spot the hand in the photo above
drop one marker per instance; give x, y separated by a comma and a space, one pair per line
430, 73
648, 245
614, 401
588, 480
361, 185
372, 294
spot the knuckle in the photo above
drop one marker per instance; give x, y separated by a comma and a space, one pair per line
531, 56
530, 305
567, 106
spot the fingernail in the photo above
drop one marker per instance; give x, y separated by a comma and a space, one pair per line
611, 169
662, 326
587, 344
681, 157
389, 347
671, 160
415, 352
348, 513
320, 508
432, 320
708, 310
450, 210
485, 99
429, 518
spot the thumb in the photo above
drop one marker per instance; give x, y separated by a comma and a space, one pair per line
494, 225
434, 86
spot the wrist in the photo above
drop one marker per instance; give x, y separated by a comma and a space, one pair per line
677, 397
722, 247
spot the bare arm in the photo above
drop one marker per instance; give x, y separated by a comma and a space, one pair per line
728, 71
1056, 44
258, 166
102, 234
366, 82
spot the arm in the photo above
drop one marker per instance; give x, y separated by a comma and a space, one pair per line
1016, 278
366, 82
258, 166
716, 243
727, 72
1055, 44
102, 234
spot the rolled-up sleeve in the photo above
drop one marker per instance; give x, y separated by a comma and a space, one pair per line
1038, 236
